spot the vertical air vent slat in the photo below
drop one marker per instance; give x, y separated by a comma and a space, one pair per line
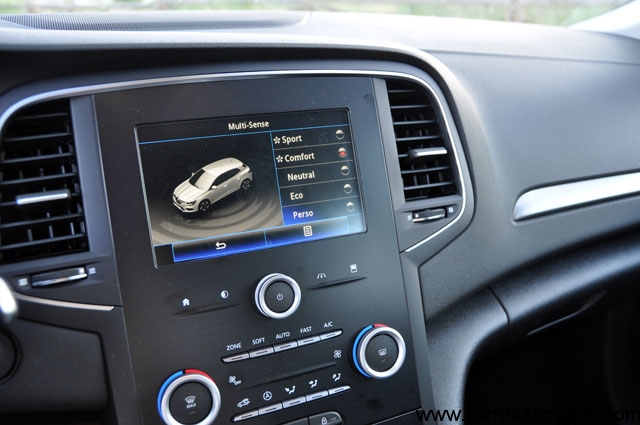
41, 212
423, 152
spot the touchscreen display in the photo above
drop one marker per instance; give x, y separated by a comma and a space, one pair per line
225, 186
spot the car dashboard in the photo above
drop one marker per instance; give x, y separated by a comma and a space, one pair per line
380, 208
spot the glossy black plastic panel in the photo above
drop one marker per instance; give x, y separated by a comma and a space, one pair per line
194, 315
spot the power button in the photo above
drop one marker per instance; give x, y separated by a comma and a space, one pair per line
277, 296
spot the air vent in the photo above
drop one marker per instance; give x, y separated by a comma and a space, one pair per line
41, 212
423, 151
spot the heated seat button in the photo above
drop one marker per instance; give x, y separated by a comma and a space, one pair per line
279, 297
381, 353
327, 418
190, 403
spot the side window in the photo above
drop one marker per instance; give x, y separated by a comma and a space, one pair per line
219, 180
232, 173
225, 176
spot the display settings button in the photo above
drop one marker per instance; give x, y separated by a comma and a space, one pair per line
190, 403
279, 297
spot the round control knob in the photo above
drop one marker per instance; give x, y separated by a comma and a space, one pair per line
277, 296
379, 351
189, 397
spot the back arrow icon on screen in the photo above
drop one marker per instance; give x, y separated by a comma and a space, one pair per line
221, 245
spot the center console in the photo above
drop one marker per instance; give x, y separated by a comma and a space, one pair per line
261, 282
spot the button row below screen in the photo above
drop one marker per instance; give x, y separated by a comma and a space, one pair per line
265, 351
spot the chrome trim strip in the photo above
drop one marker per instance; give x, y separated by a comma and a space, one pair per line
62, 304
34, 198
550, 199
190, 79
8, 305
419, 153
80, 273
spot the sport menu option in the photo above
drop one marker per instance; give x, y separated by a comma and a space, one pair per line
317, 174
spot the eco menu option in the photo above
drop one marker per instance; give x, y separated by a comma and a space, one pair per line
312, 193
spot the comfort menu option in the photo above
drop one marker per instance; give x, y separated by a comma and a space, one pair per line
225, 186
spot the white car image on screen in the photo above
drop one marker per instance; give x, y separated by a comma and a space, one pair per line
212, 183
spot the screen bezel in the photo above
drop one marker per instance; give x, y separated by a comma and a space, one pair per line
119, 111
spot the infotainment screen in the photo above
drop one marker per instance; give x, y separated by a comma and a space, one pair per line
225, 186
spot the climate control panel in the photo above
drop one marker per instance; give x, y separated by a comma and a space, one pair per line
314, 367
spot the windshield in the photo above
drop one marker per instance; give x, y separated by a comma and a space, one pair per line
549, 12
201, 180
